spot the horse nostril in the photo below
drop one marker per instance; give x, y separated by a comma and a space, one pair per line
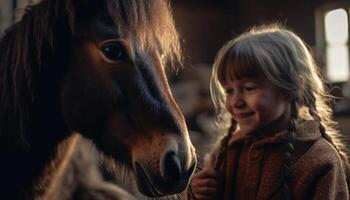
172, 168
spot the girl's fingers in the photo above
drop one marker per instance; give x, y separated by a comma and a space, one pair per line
208, 191
207, 173
206, 182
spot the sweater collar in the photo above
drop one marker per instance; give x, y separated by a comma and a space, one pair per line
307, 131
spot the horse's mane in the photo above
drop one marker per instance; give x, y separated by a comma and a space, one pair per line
39, 44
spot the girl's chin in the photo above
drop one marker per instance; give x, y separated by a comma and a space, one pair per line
246, 129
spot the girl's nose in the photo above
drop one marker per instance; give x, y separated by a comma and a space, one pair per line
238, 101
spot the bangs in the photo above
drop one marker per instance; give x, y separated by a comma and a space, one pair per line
151, 23
239, 63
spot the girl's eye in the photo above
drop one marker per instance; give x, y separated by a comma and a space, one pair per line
114, 51
249, 89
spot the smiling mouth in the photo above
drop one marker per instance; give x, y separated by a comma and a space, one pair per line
244, 115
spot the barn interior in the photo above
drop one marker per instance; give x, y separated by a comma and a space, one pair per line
205, 25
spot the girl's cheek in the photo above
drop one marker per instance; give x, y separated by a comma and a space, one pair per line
228, 104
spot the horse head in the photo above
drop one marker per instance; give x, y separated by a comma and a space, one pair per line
115, 91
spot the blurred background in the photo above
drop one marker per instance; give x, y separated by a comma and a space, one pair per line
204, 26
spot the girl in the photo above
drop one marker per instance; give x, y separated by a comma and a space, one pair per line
282, 143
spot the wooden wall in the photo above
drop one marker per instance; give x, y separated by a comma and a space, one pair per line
206, 24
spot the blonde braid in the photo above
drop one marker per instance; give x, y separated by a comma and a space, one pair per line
288, 151
326, 126
223, 147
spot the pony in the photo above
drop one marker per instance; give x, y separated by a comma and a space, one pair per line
97, 68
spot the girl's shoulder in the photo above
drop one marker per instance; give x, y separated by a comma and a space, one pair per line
320, 170
317, 156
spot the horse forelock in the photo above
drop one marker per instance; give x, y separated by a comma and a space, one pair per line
152, 25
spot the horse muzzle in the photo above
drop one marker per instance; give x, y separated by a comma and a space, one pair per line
172, 179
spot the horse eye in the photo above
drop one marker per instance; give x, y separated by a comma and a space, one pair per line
114, 51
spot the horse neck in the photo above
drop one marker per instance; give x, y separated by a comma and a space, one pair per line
30, 131
24, 168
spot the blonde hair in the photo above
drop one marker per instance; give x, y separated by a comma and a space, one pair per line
280, 56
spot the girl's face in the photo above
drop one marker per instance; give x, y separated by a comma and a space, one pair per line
257, 105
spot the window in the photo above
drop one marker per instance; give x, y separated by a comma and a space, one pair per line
332, 38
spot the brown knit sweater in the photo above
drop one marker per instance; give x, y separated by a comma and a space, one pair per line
252, 167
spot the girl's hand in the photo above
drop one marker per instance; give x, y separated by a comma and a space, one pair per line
206, 184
